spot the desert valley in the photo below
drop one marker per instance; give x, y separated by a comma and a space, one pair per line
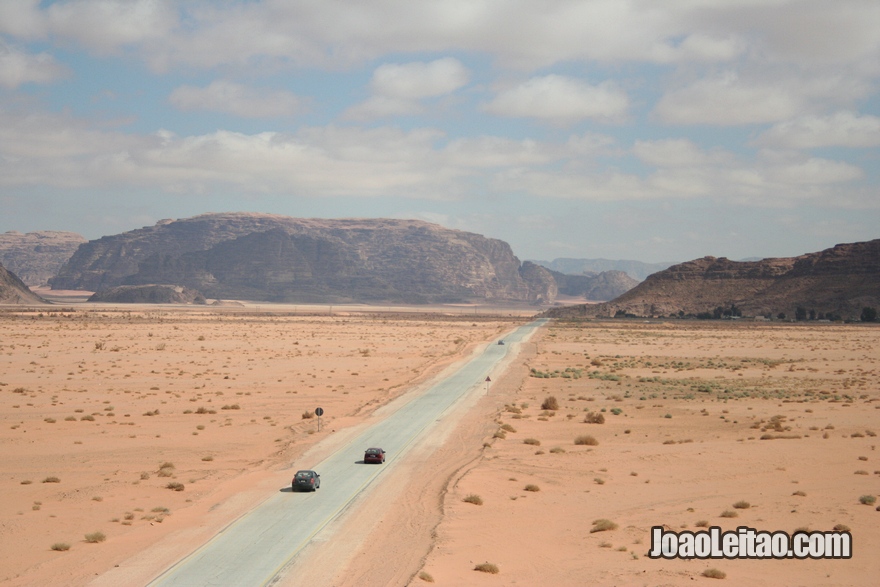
140, 420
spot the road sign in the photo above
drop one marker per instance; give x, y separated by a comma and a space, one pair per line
319, 411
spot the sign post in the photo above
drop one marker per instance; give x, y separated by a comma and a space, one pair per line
319, 412
487, 383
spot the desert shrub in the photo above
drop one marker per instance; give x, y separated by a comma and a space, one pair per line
51, 480
867, 500
714, 574
508, 428
474, 499
88, 418
557, 450
799, 493
231, 407
841, 528
26, 481
532, 487
487, 568
586, 440
426, 577
532, 441
61, 546
70, 419
96, 537
742, 505
702, 524
594, 418
307, 415
602, 525
550, 403
729, 514
500, 434
174, 485
208, 458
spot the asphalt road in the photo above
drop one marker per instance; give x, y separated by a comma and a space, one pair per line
254, 549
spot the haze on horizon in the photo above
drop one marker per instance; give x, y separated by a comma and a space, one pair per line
618, 129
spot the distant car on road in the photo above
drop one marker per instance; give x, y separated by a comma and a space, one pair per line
374, 455
501, 342
306, 481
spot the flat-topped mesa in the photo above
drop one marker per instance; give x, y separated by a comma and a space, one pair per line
839, 281
278, 258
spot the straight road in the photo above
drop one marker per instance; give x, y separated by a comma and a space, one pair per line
254, 549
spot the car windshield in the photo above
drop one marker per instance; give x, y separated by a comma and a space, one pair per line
373, 451
303, 474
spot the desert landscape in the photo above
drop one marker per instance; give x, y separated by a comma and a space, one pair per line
132, 434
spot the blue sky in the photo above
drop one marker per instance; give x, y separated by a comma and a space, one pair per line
623, 129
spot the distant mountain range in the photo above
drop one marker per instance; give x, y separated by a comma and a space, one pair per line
635, 269
14, 291
837, 282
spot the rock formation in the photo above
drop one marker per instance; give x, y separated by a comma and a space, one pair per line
839, 281
148, 294
277, 258
37, 256
635, 269
14, 291
599, 287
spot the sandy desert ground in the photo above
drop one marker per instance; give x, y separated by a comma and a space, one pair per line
778, 419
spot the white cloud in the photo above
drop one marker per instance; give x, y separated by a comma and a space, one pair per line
22, 19
561, 99
399, 88
843, 129
413, 81
108, 25
237, 99
18, 67
677, 153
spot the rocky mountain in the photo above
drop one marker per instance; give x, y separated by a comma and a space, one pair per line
600, 287
839, 281
14, 291
278, 258
37, 256
148, 294
635, 269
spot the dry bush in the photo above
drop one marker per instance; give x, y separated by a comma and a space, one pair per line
532, 441
841, 528
702, 524
714, 574
208, 458
51, 480
594, 418
602, 525
61, 546
729, 514
550, 403
557, 450
587, 440
426, 577
742, 505
867, 500
508, 428
174, 485
799, 493
95, 537
487, 568
474, 499
307, 415
532, 487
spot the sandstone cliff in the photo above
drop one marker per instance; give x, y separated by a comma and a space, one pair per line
37, 256
14, 291
840, 281
277, 258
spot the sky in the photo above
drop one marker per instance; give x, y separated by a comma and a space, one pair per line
617, 129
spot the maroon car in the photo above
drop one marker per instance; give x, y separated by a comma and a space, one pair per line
374, 455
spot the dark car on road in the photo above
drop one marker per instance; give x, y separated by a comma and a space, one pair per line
374, 455
306, 481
